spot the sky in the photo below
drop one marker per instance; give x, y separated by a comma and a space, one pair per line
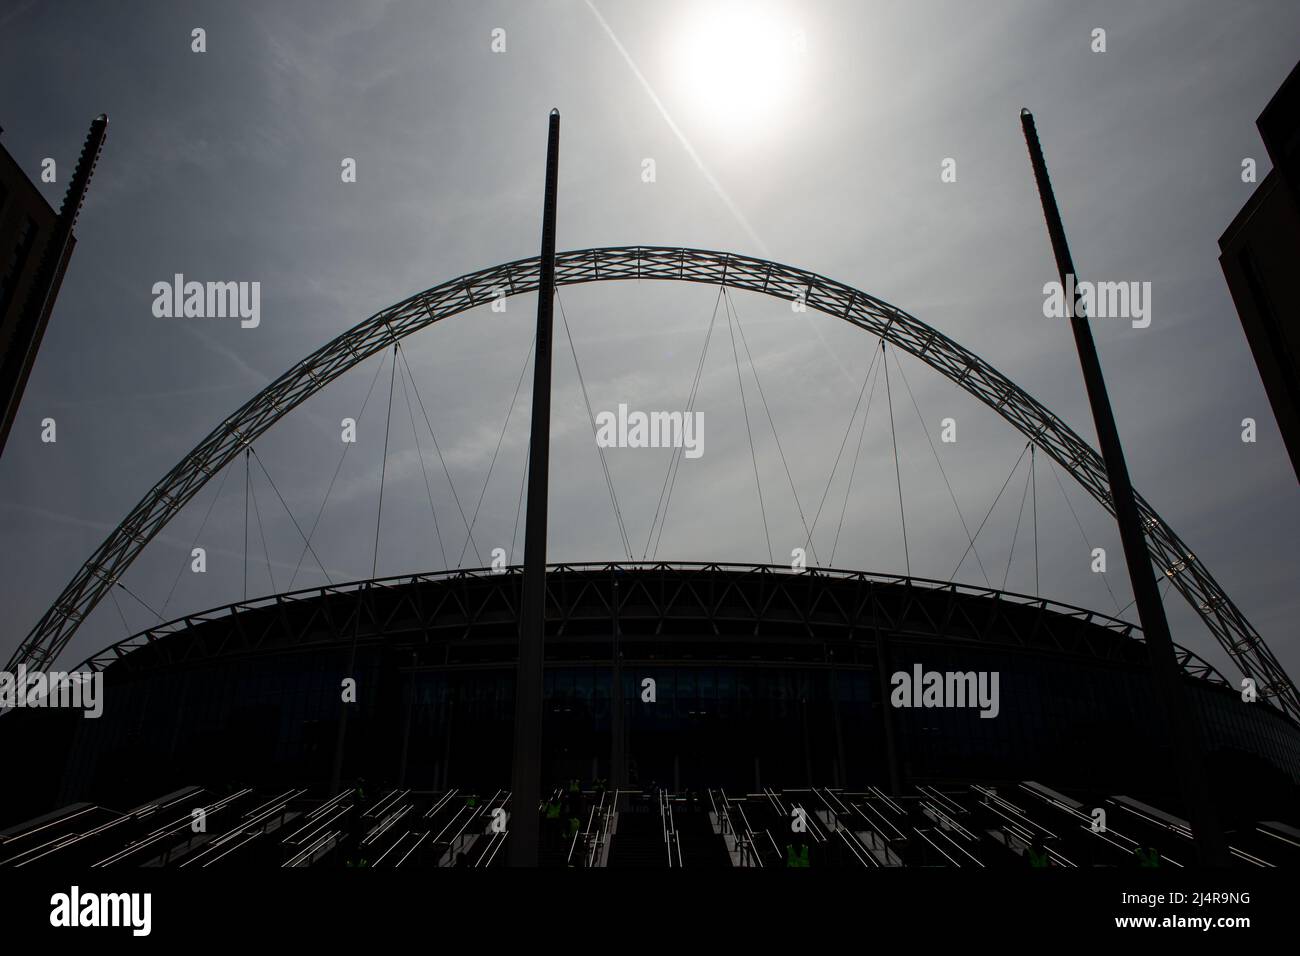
814, 134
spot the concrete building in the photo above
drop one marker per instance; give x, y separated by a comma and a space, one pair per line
1259, 253
35, 245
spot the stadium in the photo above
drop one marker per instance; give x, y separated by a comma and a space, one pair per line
771, 691
690, 714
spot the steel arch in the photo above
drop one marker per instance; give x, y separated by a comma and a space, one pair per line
1229, 626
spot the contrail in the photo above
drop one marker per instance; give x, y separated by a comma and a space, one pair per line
681, 137
258, 376
717, 186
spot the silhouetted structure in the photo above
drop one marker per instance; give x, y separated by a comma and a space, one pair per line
1146, 595
526, 776
763, 677
35, 246
1259, 252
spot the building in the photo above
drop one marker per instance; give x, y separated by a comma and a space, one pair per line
1258, 254
762, 679
35, 246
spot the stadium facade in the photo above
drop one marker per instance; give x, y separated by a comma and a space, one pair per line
761, 677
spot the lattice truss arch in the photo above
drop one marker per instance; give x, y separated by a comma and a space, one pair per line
1051, 435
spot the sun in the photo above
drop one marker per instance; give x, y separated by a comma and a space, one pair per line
736, 64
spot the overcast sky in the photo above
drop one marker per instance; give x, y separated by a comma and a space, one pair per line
810, 133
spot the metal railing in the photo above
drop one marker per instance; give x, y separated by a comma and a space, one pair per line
672, 841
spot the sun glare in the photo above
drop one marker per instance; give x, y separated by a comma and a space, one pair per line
735, 63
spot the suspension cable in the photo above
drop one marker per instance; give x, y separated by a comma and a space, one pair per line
843, 441
126, 627
283, 504
383, 464
600, 452
419, 453
753, 370
857, 454
337, 468
1014, 469
748, 431
925, 431
1019, 516
469, 534
140, 601
519, 508
487, 478
674, 460
1165, 593
199, 534
246, 486
1083, 534
1033, 475
261, 532
898, 471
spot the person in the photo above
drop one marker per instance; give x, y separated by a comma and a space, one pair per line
354, 813
1147, 857
552, 826
1037, 855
